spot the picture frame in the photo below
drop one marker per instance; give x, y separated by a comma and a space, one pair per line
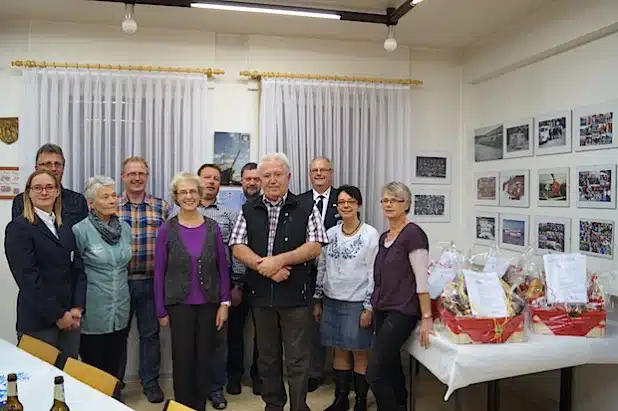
596, 238
552, 133
553, 187
551, 235
431, 206
486, 228
488, 143
487, 188
593, 127
519, 138
515, 188
432, 167
514, 231
231, 152
593, 188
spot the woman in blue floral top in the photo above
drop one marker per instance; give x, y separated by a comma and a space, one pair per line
343, 294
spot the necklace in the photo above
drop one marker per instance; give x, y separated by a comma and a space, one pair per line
353, 231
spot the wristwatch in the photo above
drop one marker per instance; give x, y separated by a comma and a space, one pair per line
427, 316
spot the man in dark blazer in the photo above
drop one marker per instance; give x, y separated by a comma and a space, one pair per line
324, 196
74, 206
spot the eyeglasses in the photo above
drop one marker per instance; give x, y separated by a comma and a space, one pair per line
39, 189
386, 201
51, 164
135, 174
185, 193
320, 170
346, 202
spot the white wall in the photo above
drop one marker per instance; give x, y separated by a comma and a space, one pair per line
234, 107
563, 57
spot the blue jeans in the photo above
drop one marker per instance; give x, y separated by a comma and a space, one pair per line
218, 364
143, 306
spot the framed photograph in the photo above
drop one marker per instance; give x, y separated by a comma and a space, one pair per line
487, 228
515, 188
552, 235
518, 141
553, 187
432, 168
596, 186
486, 188
488, 143
552, 133
231, 153
596, 238
593, 127
514, 231
431, 206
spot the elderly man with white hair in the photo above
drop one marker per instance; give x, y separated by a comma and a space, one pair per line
277, 236
104, 243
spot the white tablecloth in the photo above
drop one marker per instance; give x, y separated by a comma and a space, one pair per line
459, 366
37, 391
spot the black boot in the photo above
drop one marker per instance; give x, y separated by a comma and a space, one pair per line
342, 390
362, 388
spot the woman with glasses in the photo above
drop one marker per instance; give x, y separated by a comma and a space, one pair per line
343, 291
47, 267
400, 297
192, 290
104, 243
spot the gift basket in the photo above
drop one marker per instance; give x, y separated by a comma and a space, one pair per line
579, 319
460, 320
442, 269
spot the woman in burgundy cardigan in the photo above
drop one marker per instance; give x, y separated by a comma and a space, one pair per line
191, 286
400, 297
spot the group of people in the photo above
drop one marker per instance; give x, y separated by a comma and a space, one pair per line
308, 270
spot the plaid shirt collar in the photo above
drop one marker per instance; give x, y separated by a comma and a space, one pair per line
213, 205
125, 199
279, 203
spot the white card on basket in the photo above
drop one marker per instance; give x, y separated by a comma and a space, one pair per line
486, 294
566, 278
496, 265
439, 277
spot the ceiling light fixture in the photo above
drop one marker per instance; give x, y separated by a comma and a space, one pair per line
280, 10
390, 44
129, 25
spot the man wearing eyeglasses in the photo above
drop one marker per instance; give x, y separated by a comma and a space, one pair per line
324, 196
144, 213
74, 206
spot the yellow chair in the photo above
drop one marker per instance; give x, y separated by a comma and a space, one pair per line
172, 405
92, 376
40, 349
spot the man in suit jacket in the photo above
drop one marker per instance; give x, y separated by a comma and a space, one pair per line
324, 196
74, 206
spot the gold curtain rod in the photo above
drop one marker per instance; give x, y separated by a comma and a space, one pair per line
257, 75
210, 72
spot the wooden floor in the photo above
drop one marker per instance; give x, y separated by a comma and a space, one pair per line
430, 398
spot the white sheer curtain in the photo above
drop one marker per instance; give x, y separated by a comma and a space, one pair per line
364, 128
99, 118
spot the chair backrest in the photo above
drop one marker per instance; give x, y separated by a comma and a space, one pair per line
172, 405
92, 376
40, 349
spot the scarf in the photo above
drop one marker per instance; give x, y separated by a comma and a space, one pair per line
109, 232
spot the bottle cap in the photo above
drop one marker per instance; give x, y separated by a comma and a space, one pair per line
59, 380
11, 377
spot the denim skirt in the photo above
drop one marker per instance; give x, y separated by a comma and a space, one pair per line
340, 325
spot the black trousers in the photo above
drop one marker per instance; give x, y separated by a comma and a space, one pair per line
194, 340
104, 351
281, 329
384, 370
236, 342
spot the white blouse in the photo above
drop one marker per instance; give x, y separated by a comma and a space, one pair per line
345, 267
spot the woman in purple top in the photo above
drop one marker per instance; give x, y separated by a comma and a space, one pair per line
191, 286
400, 297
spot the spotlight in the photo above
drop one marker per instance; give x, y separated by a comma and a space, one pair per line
390, 44
129, 25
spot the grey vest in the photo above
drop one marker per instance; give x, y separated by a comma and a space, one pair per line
178, 273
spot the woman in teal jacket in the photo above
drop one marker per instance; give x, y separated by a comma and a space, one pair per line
105, 245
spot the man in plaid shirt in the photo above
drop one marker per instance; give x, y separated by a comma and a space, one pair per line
275, 236
144, 213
